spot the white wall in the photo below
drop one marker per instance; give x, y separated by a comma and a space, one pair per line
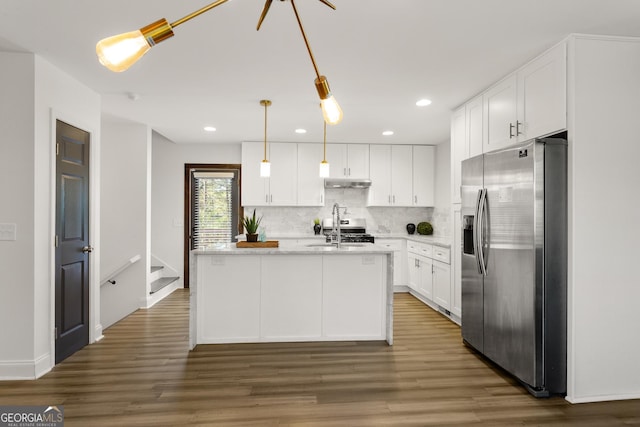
34, 95
125, 163
17, 207
167, 191
604, 203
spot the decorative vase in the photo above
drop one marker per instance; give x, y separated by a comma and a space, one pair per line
252, 237
317, 228
411, 228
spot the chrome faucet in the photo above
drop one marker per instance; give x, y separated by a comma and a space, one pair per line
335, 214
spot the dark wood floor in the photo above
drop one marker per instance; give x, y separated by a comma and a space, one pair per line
142, 374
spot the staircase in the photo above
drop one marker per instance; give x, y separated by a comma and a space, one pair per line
158, 280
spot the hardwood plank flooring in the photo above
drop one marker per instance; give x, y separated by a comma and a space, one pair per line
142, 374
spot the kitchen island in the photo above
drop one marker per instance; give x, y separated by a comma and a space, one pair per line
295, 293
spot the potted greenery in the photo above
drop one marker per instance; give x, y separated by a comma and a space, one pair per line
316, 226
251, 225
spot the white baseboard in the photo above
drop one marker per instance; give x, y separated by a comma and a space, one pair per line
11, 370
603, 398
398, 289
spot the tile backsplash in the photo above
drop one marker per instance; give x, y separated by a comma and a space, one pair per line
299, 220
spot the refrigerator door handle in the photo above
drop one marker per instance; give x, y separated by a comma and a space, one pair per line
476, 232
482, 208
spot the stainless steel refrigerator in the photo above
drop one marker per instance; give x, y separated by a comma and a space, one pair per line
514, 261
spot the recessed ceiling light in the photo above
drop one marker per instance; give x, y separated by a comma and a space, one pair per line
387, 133
423, 102
301, 131
209, 128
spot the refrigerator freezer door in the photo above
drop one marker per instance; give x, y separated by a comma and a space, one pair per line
511, 286
472, 280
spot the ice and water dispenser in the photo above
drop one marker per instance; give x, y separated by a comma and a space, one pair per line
467, 234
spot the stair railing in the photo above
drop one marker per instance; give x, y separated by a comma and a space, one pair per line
110, 278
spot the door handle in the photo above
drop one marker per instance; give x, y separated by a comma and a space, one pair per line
476, 232
87, 249
482, 211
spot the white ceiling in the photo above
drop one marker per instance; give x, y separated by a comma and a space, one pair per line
379, 56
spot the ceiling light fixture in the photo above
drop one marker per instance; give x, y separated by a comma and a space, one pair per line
324, 165
330, 108
301, 131
387, 133
209, 129
120, 52
423, 102
265, 166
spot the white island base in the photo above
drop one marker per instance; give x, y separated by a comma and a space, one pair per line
244, 295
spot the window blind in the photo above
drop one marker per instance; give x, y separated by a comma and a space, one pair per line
213, 214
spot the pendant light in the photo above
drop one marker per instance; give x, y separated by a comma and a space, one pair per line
265, 166
324, 165
330, 109
120, 52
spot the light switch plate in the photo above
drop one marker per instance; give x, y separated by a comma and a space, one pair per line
8, 231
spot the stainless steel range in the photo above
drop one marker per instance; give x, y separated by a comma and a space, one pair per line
351, 230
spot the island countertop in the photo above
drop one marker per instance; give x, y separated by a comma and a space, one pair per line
312, 249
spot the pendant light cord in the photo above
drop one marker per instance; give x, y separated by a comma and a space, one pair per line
324, 156
265, 130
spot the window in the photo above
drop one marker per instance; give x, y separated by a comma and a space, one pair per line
215, 215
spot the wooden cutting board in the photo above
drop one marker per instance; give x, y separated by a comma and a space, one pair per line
267, 244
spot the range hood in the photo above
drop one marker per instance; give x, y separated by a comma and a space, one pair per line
346, 183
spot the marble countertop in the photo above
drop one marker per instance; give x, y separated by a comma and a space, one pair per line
432, 240
314, 249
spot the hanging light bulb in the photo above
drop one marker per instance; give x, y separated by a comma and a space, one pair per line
120, 52
265, 166
324, 165
330, 109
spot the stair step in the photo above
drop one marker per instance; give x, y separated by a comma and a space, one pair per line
160, 283
155, 268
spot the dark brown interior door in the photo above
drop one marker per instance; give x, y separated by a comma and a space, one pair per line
72, 240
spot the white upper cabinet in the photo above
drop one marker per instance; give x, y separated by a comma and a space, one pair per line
473, 127
254, 188
499, 109
380, 172
348, 160
542, 99
310, 185
423, 176
529, 103
401, 175
459, 152
278, 190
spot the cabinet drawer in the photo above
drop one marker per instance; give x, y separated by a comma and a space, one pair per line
418, 248
441, 254
395, 245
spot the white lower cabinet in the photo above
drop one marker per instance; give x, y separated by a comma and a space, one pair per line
429, 273
456, 260
291, 297
290, 310
442, 284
